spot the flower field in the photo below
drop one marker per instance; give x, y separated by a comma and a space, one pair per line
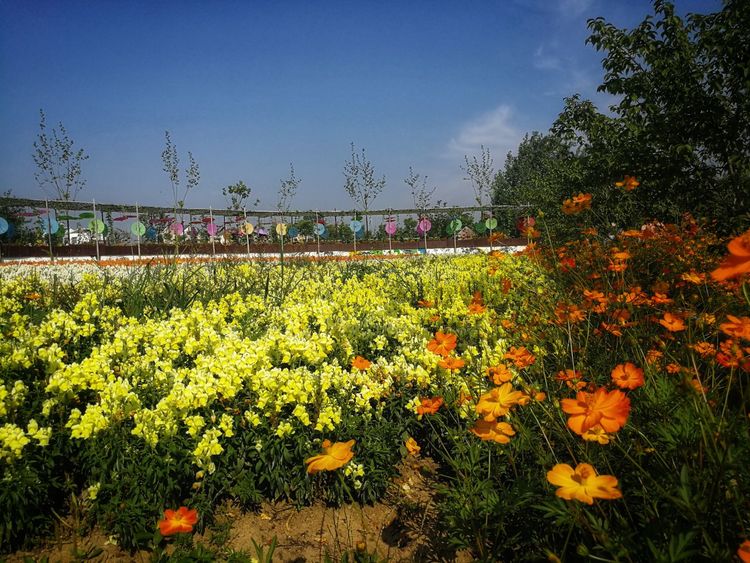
587, 398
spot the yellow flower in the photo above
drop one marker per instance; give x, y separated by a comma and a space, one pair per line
582, 483
412, 447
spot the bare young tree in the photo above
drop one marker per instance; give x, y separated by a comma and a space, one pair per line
58, 164
480, 172
171, 166
420, 193
288, 190
360, 182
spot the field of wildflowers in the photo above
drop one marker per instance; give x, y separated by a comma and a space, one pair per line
586, 398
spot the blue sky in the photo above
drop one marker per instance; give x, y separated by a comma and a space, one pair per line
250, 86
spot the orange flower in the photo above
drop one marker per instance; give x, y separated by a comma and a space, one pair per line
477, 309
425, 303
627, 375
412, 447
360, 363
429, 405
610, 409
333, 456
178, 521
451, 363
736, 327
738, 261
582, 483
520, 356
568, 313
576, 204
571, 378
498, 401
661, 299
596, 434
672, 323
673, 368
744, 551
705, 349
499, 432
629, 183
442, 344
34, 296
653, 356
499, 374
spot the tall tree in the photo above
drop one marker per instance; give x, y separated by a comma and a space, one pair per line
58, 163
237, 195
682, 122
360, 182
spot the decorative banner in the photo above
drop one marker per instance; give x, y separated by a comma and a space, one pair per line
138, 229
281, 229
123, 218
96, 226
262, 232
454, 226
177, 228
68, 218
86, 215
355, 226
29, 214
425, 225
491, 223
3, 226
247, 229
206, 220
50, 226
319, 229
390, 227
480, 228
211, 228
293, 232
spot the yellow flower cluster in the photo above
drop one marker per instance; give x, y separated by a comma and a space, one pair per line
209, 370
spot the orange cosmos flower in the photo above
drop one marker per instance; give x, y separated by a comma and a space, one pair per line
412, 447
661, 299
673, 368
34, 296
576, 204
451, 363
568, 313
442, 344
693, 277
653, 356
627, 376
736, 327
596, 434
744, 551
425, 303
178, 521
429, 405
582, 483
672, 323
498, 401
477, 309
333, 456
360, 363
705, 349
629, 183
499, 374
738, 261
520, 356
610, 409
499, 432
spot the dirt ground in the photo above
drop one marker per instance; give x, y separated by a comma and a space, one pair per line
401, 528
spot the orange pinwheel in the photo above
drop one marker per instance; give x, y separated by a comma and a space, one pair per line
178, 521
333, 456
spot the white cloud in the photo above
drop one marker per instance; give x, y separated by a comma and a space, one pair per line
493, 130
545, 61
